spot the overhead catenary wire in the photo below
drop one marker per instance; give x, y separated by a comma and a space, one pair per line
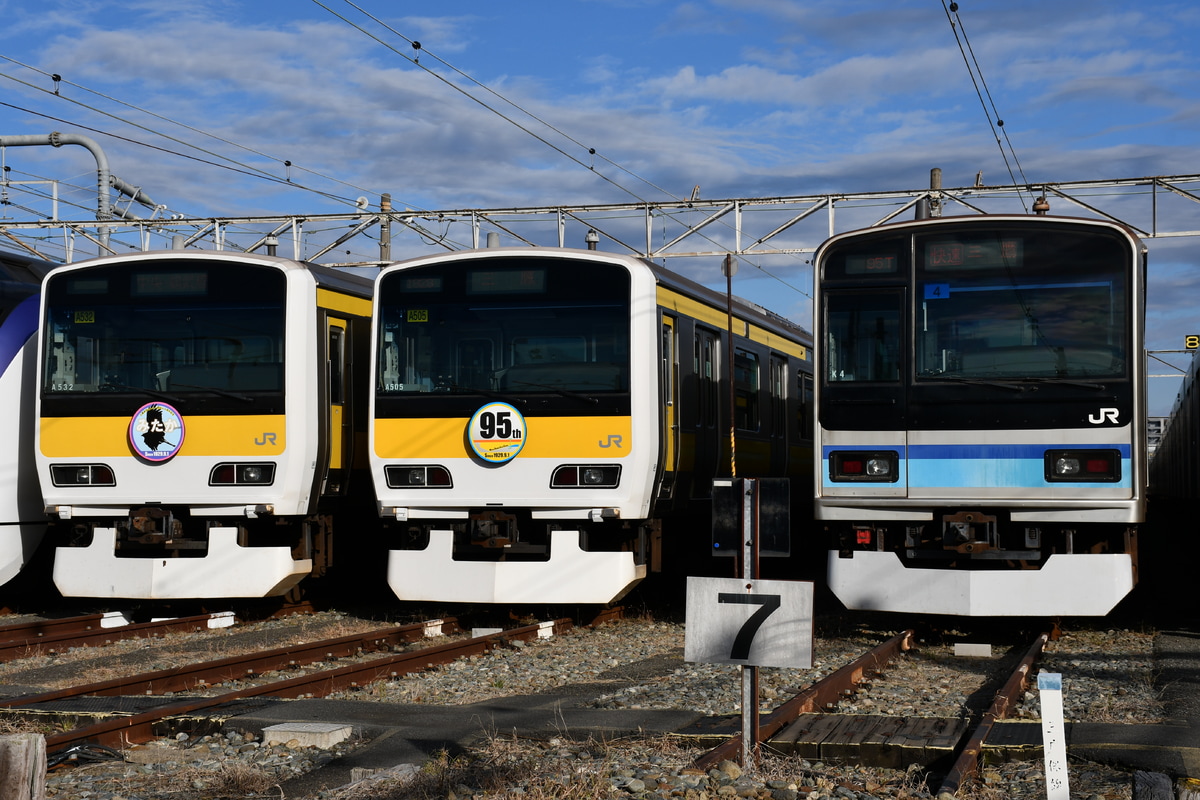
981, 89
216, 159
239, 167
591, 151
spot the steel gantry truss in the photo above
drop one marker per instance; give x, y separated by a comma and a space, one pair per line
761, 231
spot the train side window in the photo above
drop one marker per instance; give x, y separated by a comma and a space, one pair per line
746, 377
668, 362
337, 366
806, 417
707, 381
778, 378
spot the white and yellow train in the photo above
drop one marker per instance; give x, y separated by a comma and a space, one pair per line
196, 430
546, 423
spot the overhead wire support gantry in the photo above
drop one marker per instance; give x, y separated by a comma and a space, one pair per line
753, 229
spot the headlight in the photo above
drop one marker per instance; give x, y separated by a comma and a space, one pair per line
1102, 466
425, 477
874, 466
82, 475
586, 476
242, 475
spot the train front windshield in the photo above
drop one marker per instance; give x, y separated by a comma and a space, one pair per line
504, 325
166, 327
990, 305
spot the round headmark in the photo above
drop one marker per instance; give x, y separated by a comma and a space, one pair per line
497, 432
156, 432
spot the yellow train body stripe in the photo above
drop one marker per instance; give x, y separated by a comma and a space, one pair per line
673, 301
545, 437
108, 437
777, 342
347, 304
707, 314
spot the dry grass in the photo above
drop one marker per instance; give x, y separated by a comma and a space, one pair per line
226, 781
503, 767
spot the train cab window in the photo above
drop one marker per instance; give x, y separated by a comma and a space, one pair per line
506, 324
863, 341
745, 390
165, 327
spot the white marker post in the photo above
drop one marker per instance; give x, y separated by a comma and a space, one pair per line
1054, 736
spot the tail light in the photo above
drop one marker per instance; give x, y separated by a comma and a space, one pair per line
873, 466
586, 476
242, 475
82, 475
418, 477
1083, 466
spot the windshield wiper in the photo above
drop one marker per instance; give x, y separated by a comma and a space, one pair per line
223, 392
1065, 382
1014, 386
562, 392
170, 398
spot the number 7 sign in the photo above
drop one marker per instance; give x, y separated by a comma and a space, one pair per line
749, 622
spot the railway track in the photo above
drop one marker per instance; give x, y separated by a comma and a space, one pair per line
254, 668
808, 721
805, 726
50, 636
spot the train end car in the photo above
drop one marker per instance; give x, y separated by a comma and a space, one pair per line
22, 521
543, 420
196, 436
981, 415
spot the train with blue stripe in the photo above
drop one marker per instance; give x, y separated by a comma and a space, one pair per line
22, 521
200, 419
981, 414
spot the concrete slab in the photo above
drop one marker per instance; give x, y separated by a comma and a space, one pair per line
307, 734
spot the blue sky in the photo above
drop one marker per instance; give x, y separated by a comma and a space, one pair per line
744, 98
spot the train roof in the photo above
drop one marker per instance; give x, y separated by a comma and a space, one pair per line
333, 278
22, 268
662, 275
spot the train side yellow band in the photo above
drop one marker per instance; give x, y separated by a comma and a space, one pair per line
347, 304
546, 437
108, 437
673, 301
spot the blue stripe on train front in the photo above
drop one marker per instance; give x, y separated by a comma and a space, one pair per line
958, 466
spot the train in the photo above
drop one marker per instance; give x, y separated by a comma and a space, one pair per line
981, 414
22, 523
546, 424
200, 419
1175, 463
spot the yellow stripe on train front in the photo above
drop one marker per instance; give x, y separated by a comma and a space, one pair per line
108, 437
546, 437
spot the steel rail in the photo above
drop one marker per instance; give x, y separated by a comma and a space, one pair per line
93, 636
136, 728
820, 695
50, 627
22, 639
233, 668
966, 766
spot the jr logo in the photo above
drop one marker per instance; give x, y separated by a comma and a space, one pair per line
1105, 415
267, 438
614, 440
